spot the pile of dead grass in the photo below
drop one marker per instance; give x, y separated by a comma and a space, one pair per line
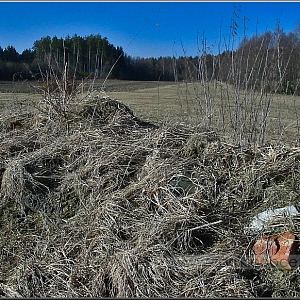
106, 205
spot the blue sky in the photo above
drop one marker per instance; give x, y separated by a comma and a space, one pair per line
144, 29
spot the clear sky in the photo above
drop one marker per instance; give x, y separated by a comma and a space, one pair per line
144, 29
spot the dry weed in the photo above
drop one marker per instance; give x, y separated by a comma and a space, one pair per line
111, 206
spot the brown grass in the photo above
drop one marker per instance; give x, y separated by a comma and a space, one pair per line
114, 206
169, 102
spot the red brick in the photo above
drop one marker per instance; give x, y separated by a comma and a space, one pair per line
280, 250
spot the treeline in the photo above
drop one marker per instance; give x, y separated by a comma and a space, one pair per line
13, 64
270, 61
89, 56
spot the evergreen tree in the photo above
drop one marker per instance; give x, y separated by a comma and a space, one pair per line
10, 54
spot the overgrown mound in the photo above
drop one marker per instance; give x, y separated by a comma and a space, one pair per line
106, 205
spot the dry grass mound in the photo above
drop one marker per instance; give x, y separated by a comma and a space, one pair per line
106, 205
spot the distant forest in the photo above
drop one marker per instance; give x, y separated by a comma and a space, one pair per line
271, 60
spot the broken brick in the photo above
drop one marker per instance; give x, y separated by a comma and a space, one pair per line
280, 250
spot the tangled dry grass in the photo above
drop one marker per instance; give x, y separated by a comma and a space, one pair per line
105, 205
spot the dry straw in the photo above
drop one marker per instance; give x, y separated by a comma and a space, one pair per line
103, 210
103, 204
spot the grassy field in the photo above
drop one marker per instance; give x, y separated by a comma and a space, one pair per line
215, 104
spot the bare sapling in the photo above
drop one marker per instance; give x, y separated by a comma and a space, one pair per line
237, 93
60, 89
